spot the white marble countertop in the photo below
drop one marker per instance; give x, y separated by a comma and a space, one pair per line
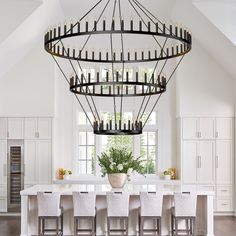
101, 189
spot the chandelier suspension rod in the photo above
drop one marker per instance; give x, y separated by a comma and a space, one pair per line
112, 64
81, 19
144, 98
73, 68
93, 28
74, 93
123, 65
161, 93
145, 24
145, 107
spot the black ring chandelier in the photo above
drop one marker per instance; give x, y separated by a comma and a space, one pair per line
117, 83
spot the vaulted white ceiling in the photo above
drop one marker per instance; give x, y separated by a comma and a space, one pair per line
23, 23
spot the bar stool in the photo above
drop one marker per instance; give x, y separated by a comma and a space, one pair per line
84, 209
118, 209
49, 209
151, 209
185, 208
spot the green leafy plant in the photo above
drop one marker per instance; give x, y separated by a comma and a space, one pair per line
67, 172
167, 172
117, 160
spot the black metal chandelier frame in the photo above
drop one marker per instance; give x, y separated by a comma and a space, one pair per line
124, 86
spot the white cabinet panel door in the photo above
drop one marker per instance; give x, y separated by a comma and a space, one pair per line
3, 162
30, 128
206, 156
224, 163
15, 128
44, 128
207, 128
189, 162
3, 128
190, 128
44, 154
224, 128
30, 162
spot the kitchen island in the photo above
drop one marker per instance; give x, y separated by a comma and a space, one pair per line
204, 221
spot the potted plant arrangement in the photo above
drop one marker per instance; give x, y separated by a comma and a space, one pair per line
67, 174
118, 164
167, 174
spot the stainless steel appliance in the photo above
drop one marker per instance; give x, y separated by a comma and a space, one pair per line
15, 173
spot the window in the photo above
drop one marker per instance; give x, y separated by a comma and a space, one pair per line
89, 146
86, 153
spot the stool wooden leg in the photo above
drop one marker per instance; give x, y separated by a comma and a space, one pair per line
159, 227
141, 225
172, 225
39, 226
95, 226
108, 226
176, 226
193, 226
126, 226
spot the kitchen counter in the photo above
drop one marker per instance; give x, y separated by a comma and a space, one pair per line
204, 224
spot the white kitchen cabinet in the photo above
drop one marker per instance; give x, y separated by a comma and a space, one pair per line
38, 128
206, 160
3, 128
15, 128
224, 162
44, 161
38, 162
44, 128
198, 162
3, 162
198, 128
190, 128
189, 161
30, 162
31, 128
224, 128
3, 204
206, 128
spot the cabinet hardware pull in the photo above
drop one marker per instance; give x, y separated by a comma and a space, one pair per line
200, 134
224, 190
197, 134
217, 161
5, 169
8, 134
217, 134
224, 204
35, 135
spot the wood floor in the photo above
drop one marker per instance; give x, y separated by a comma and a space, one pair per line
224, 226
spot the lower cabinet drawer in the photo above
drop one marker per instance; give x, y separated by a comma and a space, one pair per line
224, 191
206, 188
224, 205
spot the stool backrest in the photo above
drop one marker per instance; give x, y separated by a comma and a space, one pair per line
151, 204
84, 203
48, 203
185, 204
117, 204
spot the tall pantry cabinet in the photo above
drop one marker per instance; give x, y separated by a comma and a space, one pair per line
36, 134
207, 158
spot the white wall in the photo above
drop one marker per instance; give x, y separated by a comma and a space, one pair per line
203, 87
28, 89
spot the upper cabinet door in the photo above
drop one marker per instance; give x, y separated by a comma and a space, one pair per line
206, 128
224, 162
189, 161
206, 160
190, 128
3, 161
44, 128
224, 128
3, 128
30, 128
15, 128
